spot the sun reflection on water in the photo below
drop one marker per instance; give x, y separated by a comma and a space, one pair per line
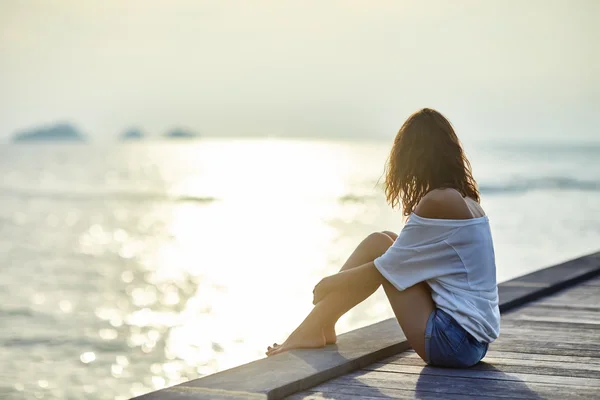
205, 275
230, 276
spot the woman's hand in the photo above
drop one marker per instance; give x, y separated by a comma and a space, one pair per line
326, 286
321, 290
351, 279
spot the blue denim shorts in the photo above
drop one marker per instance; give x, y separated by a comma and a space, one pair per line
447, 344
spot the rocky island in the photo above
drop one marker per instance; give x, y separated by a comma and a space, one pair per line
62, 132
181, 134
132, 134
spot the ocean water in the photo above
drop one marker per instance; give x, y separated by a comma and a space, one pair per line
130, 267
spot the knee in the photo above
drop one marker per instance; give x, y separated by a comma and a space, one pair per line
391, 234
378, 242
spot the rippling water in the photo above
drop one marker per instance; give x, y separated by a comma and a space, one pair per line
130, 267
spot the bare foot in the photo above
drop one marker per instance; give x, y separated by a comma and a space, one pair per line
329, 332
273, 347
300, 339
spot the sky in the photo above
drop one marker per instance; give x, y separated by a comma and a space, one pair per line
327, 69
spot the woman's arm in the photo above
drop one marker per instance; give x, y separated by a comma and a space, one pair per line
439, 204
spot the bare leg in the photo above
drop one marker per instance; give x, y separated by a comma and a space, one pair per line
412, 306
366, 251
392, 235
318, 328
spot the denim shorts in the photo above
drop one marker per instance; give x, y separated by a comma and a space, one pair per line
447, 344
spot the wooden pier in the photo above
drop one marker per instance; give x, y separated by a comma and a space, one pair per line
549, 348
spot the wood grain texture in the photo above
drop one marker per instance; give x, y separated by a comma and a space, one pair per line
558, 314
442, 385
353, 392
546, 325
562, 376
592, 282
410, 356
574, 368
549, 349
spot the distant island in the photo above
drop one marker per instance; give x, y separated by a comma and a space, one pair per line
59, 132
181, 134
132, 134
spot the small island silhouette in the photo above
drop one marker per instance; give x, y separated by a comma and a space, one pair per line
132, 134
180, 133
57, 132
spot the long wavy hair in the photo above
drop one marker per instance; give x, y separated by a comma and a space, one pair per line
426, 155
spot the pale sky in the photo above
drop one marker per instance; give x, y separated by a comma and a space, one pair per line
295, 68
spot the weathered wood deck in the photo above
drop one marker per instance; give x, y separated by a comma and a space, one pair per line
548, 349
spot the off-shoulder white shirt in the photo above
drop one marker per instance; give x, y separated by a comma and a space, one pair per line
456, 258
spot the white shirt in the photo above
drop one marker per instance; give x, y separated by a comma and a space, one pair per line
456, 258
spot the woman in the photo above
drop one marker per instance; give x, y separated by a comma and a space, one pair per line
439, 274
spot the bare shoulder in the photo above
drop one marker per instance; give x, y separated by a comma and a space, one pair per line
443, 204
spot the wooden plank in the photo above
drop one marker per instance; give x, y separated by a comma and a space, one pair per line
547, 281
574, 368
474, 387
555, 310
506, 373
309, 395
559, 349
592, 282
578, 294
571, 306
507, 323
590, 301
533, 313
410, 354
545, 357
355, 392
536, 343
566, 337
579, 291
545, 337
592, 333
507, 327
546, 341
568, 305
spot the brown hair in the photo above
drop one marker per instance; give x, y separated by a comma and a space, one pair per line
426, 155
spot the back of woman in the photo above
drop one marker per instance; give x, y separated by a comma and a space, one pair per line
439, 273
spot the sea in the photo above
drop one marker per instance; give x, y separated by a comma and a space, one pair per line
129, 267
